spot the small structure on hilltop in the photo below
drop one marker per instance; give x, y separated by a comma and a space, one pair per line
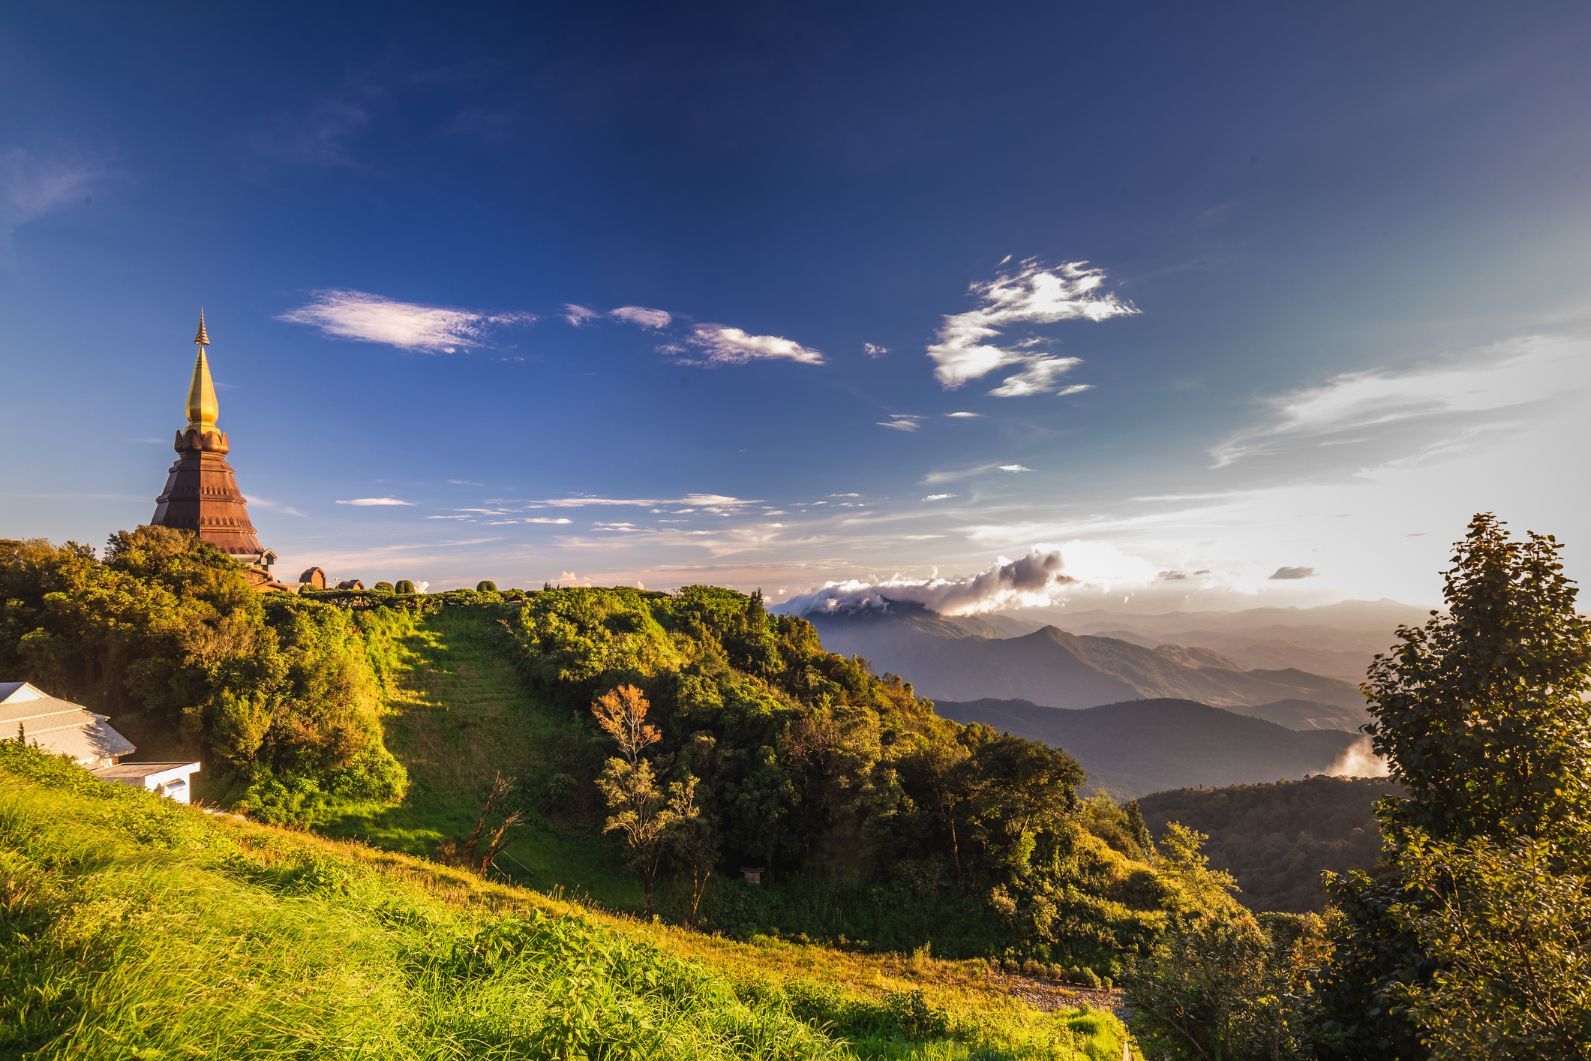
202, 492
351, 583
87, 738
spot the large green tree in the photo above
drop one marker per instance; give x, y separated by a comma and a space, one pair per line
1483, 715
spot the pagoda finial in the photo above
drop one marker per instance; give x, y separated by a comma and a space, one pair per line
203, 409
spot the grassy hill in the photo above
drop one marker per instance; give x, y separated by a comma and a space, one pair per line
132, 927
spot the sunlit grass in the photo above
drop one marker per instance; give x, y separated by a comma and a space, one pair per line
132, 927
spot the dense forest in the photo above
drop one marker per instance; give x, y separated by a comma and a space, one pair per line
1275, 839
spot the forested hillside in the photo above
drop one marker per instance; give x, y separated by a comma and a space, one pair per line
1277, 839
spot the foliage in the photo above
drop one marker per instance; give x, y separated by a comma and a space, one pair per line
1483, 716
1507, 926
485, 585
135, 927
1277, 839
403, 585
1482, 712
871, 816
278, 695
1217, 983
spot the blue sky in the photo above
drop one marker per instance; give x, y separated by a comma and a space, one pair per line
1233, 292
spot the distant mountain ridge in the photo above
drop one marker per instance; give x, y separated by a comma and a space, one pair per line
1143, 746
963, 659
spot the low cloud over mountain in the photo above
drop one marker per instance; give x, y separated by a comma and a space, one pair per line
1029, 581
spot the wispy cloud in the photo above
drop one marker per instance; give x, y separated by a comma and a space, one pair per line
1357, 406
902, 422
358, 315
577, 315
713, 504
274, 506
641, 316
972, 344
939, 497
376, 502
950, 475
32, 186
874, 349
720, 344
963, 415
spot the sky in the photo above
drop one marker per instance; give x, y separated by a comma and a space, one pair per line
1180, 306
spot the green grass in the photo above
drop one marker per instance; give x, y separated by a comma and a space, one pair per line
458, 714
131, 927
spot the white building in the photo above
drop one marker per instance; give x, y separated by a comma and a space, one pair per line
85, 736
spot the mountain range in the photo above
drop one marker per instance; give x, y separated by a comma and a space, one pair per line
1141, 746
972, 658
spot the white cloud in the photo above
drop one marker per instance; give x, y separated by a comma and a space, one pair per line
1355, 406
951, 475
972, 344
1040, 376
367, 318
376, 502
714, 504
578, 315
655, 319
963, 415
874, 349
32, 186
939, 497
1029, 581
902, 422
549, 521
273, 506
723, 345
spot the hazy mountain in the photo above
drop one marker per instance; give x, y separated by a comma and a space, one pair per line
1336, 640
1144, 746
964, 659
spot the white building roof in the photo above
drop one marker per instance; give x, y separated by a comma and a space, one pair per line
57, 725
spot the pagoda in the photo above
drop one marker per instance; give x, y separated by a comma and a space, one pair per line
201, 492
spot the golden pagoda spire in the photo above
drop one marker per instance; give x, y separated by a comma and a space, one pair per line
203, 409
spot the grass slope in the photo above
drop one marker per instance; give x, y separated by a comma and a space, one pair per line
457, 714
131, 927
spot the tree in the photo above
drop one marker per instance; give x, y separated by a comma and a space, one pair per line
1482, 715
693, 841
1482, 712
621, 713
1139, 830
643, 812
485, 585
1217, 983
403, 586
382, 587
479, 850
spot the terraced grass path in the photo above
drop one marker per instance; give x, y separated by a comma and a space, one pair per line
460, 715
